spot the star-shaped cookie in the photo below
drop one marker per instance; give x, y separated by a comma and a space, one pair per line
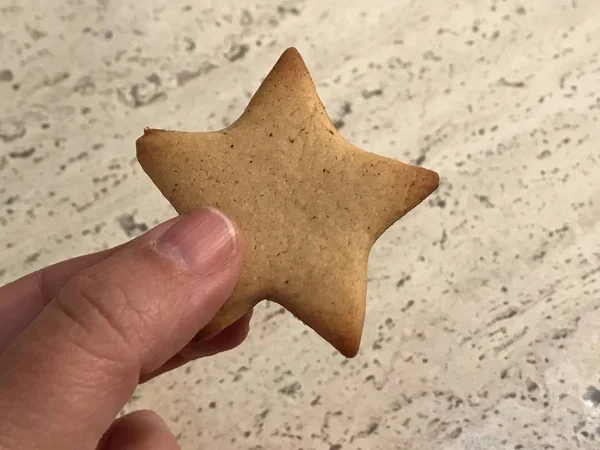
310, 204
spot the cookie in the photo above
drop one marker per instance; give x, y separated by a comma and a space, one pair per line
310, 204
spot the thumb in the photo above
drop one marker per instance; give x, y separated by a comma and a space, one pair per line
140, 430
65, 378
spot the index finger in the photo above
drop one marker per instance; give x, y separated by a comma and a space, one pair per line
23, 299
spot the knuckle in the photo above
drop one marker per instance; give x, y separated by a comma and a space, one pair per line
83, 336
98, 309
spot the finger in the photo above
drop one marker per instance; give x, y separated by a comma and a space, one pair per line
228, 339
140, 430
23, 299
110, 325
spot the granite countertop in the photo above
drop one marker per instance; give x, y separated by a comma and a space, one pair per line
483, 310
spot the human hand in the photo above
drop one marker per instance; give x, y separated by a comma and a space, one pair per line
76, 338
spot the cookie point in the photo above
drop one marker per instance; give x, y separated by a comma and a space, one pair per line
148, 130
292, 54
427, 180
349, 349
145, 142
348, 342
434, 179
291, 51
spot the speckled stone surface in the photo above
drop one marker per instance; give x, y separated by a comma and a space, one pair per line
483, 310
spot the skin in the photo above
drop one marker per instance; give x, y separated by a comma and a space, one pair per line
88, 330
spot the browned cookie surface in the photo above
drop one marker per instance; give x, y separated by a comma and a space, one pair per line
310, 204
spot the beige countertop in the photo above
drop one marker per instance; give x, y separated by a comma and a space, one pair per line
483, 304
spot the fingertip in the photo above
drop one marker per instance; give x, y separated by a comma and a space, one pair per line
228, 339
140, 430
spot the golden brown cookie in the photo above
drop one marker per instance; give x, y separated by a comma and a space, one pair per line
310, 204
